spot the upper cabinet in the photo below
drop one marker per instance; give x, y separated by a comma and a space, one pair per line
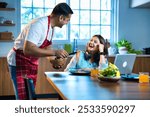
140, 3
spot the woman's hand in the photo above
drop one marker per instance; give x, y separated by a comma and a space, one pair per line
101, 48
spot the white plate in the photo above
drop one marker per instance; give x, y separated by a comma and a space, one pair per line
79, 72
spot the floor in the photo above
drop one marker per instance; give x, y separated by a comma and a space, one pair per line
10, 97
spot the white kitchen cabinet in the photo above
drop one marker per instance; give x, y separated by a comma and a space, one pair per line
140, 3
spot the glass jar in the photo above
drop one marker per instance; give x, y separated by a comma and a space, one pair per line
2, 19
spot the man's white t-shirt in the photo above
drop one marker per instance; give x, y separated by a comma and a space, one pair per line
34, 32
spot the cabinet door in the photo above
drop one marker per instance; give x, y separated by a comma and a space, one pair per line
6, 87
140, 3
141, 64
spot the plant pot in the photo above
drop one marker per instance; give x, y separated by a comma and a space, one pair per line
122, 50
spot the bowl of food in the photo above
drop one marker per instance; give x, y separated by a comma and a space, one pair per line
58, 63
3, 4
110, 74
109, 79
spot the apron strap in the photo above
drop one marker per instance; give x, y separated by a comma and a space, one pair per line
48, 26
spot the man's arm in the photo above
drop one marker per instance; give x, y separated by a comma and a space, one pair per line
32, 50
50, 58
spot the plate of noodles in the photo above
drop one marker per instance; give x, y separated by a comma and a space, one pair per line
79, 71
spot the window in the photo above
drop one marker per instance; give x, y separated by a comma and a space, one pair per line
94, 17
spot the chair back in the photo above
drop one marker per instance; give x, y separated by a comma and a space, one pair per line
30, 90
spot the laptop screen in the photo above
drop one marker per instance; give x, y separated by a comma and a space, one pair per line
125, 62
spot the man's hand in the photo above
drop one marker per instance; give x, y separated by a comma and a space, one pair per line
61, 54
58, 62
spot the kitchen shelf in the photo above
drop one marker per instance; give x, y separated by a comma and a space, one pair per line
7, 24
6, 40
7, 9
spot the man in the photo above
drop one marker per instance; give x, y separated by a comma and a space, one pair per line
34, 42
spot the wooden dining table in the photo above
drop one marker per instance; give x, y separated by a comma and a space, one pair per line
85, 87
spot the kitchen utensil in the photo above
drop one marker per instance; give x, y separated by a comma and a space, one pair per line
72, 53
8, 22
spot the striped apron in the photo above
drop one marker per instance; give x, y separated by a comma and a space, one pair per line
28, 65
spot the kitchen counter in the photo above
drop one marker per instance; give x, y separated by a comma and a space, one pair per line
141, 55
3, 55
6, 87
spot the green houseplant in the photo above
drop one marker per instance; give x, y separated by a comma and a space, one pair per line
125, 46
124, 43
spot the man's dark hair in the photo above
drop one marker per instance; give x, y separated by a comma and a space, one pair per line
62, 9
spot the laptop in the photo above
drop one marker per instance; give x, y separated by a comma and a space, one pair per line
125, 63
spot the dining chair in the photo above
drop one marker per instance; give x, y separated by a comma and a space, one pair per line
30, 91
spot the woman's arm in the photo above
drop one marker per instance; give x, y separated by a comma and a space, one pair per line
73, 62
103, 63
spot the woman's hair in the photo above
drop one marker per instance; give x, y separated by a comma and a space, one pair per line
62, 9
104, 42
97, 55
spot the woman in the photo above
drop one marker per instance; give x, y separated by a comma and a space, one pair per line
93, 57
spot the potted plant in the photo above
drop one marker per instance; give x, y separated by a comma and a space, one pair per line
125, 47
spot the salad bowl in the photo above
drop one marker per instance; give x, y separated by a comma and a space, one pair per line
109, 79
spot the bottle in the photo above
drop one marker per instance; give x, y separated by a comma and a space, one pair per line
2, 19
75, 45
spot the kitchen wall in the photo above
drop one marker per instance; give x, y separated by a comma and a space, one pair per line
10, 15
134, 25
